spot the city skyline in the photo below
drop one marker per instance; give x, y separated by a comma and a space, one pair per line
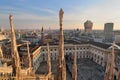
28, 14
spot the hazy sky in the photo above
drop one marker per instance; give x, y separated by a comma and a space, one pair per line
37, 13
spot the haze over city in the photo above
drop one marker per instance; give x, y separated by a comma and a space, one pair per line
59, 40
29, 14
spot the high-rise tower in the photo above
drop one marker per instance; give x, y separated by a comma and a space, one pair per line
88, 26
108, 32
15, 55
61, 68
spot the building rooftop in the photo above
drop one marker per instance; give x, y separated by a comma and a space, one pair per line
102, 45
32, 48
98, 44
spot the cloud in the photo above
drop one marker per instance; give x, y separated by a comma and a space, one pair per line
47, 10
27, 20
7, 9
98, 14
26, 16
74, 17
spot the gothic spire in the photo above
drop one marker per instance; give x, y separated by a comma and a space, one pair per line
15, 54
74, 67
31, 72
61, 75
42, 37
49, 59
109, 73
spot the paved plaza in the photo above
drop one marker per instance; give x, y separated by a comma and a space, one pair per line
87, 69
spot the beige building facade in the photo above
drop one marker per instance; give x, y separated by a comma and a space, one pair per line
97, 54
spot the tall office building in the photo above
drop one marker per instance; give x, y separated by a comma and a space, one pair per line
108, 32
88, 26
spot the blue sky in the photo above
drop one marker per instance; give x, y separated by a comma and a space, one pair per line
34, 14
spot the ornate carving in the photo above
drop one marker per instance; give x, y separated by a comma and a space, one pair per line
15, 55
109, 73
61, 68
1, 52
30, 70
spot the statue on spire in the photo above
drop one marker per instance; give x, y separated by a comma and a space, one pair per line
61, 12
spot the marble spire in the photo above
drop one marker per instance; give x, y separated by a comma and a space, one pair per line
109, 73
61, 68
15, 54
74, 67
50, 77
30, 70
